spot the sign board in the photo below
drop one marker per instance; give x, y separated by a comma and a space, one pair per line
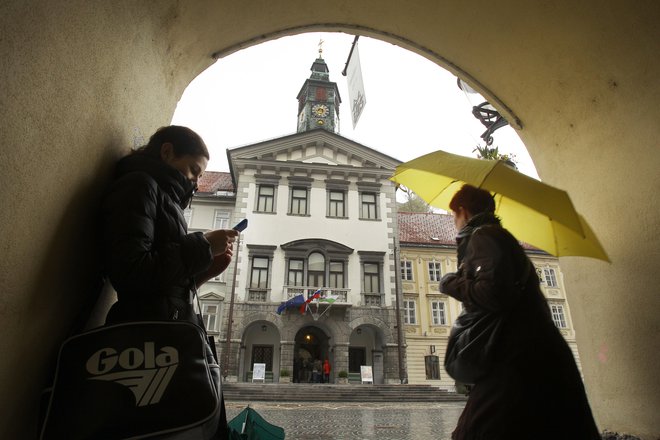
366, 374
259, 372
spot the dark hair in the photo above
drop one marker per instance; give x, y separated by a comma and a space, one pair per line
185, 142
475, 200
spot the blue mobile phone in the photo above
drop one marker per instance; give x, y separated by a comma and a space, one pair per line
241, 225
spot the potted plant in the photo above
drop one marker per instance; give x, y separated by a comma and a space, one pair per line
342, 377
285, 375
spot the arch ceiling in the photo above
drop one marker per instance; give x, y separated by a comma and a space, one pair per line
81, 83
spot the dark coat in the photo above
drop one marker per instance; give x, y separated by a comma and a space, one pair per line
534, 390
150, 258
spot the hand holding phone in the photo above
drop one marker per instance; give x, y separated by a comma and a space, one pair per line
240, 227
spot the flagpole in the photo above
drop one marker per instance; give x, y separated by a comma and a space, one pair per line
350, 54
225, 369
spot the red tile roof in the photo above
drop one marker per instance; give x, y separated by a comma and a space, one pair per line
427, 228
213, 181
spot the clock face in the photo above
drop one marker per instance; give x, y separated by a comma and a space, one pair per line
320, 110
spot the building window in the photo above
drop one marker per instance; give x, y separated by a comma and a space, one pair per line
210, 316
336, 203
187, 215
371, 277
549, 278
435, 273
558, 315
432, 365
296, 272
316, 270
263, 354
298, 203
406, 270
266, 198
409, 316
221, 219
438, 315
259, 273
337, 274
368, 206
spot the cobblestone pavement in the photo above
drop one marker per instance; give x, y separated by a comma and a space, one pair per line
336, 420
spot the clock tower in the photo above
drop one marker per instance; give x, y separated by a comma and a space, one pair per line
318, 99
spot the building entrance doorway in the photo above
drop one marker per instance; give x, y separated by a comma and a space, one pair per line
357, 356
310, 351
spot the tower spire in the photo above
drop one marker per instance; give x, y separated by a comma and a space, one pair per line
318, 99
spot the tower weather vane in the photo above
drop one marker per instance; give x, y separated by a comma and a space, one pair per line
321, 47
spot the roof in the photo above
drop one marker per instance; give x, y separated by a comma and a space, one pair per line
427, 228
214, 181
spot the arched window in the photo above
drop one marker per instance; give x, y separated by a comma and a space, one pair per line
316, 270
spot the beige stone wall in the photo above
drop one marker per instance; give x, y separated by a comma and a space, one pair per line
81, 81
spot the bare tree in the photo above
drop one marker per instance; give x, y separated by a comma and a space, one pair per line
412, 203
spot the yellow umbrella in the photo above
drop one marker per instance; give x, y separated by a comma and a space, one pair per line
533, 211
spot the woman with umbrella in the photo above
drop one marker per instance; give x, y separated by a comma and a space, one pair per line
532, 387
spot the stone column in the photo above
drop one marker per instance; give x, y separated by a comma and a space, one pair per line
341, 359
391, 363
286, 355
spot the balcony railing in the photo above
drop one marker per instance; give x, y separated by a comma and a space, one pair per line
308, 291
257, 295
372, 300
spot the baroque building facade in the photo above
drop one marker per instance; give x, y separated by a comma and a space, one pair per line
322, 218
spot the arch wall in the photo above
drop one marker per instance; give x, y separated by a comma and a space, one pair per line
81, 82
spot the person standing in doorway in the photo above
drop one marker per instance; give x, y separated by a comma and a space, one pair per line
326, 371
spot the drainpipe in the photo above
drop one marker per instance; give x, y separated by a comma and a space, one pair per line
399, 330
225, 369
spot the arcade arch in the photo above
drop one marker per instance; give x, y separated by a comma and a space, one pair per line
581, 77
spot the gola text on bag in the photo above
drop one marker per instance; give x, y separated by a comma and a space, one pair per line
144, 372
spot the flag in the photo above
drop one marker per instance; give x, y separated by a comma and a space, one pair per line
291, 303
355, 85
329, 299
313, 296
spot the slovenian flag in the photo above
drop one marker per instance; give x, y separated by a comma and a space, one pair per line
296, 301
329, 298
312, 297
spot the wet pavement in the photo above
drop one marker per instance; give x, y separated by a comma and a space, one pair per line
335, 420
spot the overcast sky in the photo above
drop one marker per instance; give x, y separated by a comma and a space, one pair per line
413, 106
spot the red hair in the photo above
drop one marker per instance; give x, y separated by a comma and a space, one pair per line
473, 199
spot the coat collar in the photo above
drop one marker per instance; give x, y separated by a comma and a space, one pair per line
169, 179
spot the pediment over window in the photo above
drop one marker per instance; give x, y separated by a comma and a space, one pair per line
309, 244
211, 296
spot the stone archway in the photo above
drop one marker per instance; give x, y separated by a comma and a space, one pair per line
312, 347
88, 83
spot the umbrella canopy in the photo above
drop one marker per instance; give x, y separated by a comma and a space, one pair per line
536, 213
249, 425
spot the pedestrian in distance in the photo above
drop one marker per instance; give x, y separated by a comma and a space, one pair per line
326, 371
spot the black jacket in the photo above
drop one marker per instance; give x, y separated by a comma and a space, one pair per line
534, 390
150, 258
